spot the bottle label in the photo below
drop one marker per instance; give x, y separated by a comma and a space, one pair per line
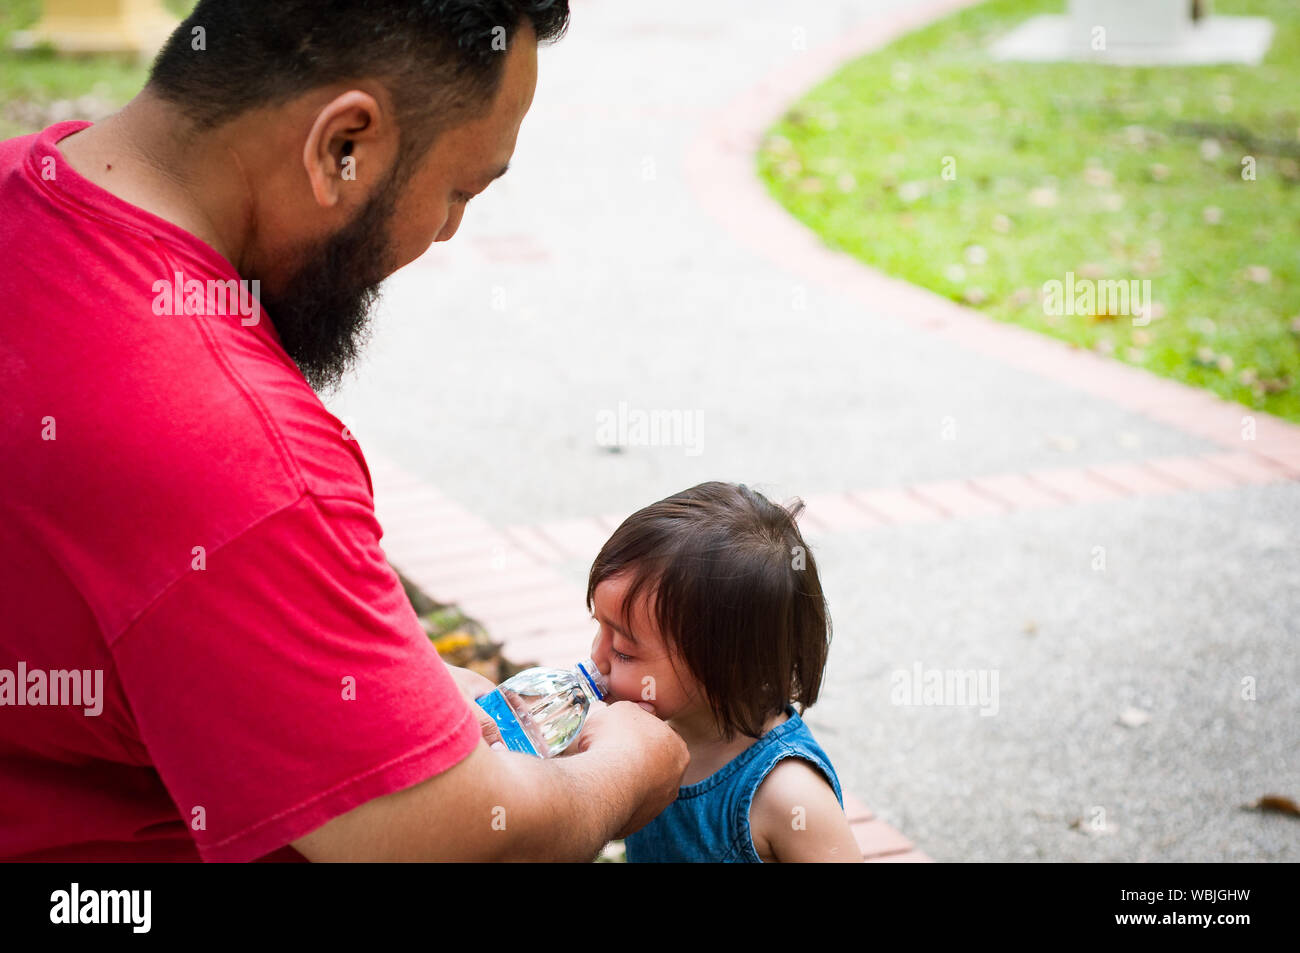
512, 732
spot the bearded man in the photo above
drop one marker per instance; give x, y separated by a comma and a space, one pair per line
180, 514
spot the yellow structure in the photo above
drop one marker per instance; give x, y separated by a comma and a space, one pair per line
138, 27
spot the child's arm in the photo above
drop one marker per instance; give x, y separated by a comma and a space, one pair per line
795, 817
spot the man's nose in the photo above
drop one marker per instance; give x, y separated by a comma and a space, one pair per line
451, 226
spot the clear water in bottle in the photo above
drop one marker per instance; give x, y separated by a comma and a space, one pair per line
540, 711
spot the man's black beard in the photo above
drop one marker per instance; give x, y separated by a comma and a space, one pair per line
322, 312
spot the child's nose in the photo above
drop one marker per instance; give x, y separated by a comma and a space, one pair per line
598, 656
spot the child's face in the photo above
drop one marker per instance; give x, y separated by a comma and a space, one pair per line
640, 670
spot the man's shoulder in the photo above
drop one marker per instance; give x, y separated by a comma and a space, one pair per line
142, 444
230, 414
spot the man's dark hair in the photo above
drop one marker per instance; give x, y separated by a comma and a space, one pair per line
441, 60
734, 590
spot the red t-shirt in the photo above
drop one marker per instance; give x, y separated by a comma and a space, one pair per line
180, 513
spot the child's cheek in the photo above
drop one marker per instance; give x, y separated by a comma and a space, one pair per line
617, 686
626, 686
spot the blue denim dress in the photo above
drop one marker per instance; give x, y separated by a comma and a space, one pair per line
709, 821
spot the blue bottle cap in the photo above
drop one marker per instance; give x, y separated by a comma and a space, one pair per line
596, 680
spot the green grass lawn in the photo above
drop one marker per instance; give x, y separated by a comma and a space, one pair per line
983, 181
34, 84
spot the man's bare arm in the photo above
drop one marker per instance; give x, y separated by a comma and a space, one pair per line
501, 805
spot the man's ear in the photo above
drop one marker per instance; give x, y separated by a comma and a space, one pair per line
351, 142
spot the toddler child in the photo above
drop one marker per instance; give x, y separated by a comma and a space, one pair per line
712, 617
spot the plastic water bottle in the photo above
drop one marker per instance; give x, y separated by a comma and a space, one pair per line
541, 710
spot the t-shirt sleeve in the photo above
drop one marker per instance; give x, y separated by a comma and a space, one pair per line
285, 680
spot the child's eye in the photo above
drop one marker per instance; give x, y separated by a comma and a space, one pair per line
622, 658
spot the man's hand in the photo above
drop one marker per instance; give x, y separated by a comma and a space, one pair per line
661, 754
472, 685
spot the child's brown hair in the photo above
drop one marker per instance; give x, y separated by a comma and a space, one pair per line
735, 594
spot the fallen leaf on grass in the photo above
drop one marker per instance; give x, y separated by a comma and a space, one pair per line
1275, 385
1096, 175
